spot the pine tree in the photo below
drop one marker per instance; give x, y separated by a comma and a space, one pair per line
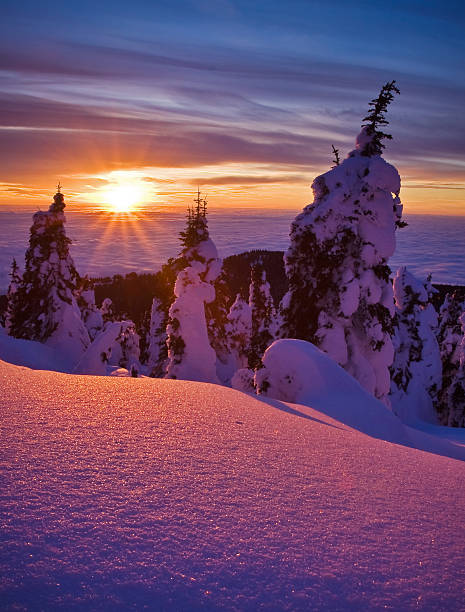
12, 295
416, 373
263, 313
376, 119
190, 355
340, 297
450, 337
46, 308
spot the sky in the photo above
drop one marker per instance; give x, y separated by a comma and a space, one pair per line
241, 98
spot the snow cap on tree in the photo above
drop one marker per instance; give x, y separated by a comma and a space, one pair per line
340, 297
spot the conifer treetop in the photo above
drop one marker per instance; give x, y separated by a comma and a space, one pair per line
58, 204
375, 120
196, 229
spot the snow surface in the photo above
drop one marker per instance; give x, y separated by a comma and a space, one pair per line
173, 495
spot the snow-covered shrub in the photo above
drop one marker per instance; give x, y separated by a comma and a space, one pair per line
450, 337
46, 308
416, 373
340, 296
263, 314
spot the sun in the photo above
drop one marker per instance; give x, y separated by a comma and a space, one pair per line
125, 196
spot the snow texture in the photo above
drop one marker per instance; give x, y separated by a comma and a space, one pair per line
125, 494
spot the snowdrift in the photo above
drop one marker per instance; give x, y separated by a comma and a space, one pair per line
173, 495
297, 371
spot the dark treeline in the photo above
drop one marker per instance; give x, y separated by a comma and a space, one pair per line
133, 293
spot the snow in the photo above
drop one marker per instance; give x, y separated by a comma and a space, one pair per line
172, 495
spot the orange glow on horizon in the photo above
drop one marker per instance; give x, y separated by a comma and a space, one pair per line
226, 185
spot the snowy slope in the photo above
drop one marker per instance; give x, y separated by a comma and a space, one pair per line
32, 354
174, 495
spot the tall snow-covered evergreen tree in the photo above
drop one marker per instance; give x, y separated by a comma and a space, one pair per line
263, 314
12, 295
416, 373
46, 308
450, 338
190, 355
340, 297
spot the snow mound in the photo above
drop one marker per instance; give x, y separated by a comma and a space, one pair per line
297, 371
121, 493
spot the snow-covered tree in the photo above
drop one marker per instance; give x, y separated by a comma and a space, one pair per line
238, 332
456, 390
117, 346
263, 314
46, 308
107, 311
157, 351
216, 314
91, 315
12, 295
190, 354
450, 338
416, 373
340, 296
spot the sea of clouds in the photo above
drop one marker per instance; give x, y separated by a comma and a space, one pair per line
106, 244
